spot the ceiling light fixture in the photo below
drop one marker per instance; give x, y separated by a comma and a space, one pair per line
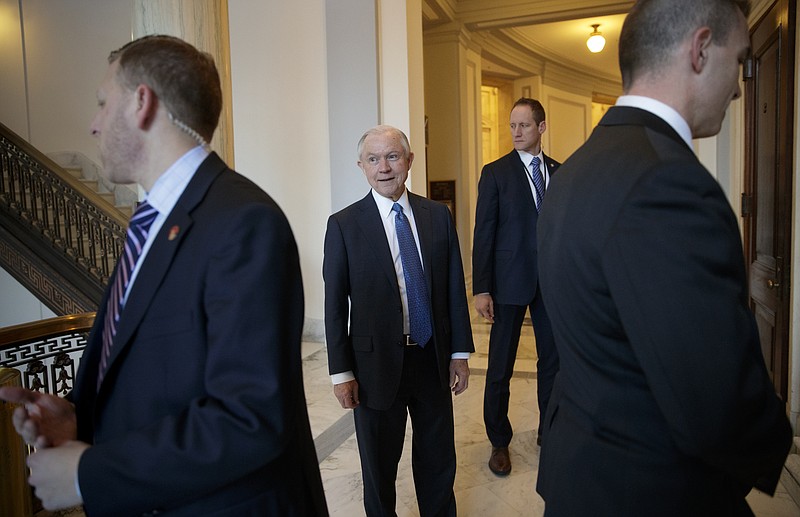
596, 41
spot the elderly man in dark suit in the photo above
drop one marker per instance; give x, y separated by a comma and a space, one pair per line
505, 280
189, 398
663, 405
397, 327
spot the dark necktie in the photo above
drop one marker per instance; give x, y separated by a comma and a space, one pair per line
419, 313
136, 236
538, 181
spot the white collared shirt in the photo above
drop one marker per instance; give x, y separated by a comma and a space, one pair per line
387, 218
164, 195
526, 158
662, 111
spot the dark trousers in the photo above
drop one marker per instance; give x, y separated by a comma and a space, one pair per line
381, 433
503, 344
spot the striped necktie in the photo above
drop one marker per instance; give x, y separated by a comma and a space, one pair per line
138, 230
538, 181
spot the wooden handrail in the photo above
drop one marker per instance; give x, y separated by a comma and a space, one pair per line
15, 495
46, 328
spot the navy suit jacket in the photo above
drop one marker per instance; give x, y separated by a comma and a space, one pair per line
202, 409
504, 251
663, 404
361, 287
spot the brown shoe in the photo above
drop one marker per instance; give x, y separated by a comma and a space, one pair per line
500, 461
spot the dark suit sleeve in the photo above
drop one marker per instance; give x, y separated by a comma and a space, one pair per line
244, 337
483, 242
681, 295
461, 329
336, 274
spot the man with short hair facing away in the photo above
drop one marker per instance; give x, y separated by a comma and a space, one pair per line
189, 397
663, 405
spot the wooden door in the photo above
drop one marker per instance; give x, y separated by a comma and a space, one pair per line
767, 200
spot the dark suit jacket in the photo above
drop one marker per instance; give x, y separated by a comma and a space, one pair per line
504, 245
663, 405
202, 409
358, 269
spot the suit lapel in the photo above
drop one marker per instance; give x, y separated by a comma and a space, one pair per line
519, 179
424, 223
371, 223
162, 252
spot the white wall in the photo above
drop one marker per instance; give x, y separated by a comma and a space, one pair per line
66, 49
280, 113
17, 304
353, 104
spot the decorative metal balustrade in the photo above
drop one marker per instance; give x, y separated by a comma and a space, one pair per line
62, 224
47, 352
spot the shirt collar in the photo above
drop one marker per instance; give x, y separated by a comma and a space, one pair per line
385, 204
170, 186
661, 110
526, 157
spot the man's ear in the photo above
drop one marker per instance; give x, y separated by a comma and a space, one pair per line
701, 42
146, 106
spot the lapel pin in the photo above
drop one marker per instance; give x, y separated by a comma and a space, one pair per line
173, 232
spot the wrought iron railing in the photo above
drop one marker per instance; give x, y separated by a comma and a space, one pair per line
46, 352
58, 218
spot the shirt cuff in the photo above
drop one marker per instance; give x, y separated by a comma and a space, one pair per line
341, 378
460, 355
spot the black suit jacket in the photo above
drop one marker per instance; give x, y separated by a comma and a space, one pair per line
663, 404
361, 287
504, 253
202, 409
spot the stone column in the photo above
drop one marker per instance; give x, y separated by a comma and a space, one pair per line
204, 24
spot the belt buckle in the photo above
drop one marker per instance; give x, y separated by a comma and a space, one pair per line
409, 341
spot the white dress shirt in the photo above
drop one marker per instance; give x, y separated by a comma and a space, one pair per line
387, 218
526, 158
164, 195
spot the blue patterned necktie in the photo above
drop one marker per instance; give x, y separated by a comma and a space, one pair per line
419, 313
138, 230
538, 181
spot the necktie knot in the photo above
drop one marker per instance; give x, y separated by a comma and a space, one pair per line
144, 215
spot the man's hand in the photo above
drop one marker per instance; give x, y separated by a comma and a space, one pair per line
42, 420
485, 306
347, 394
459, 375
53, 475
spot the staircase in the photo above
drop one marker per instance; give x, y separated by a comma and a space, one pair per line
60, 232
121, 197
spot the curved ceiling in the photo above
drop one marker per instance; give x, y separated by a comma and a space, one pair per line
553, 30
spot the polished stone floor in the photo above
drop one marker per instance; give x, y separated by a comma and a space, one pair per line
478, 491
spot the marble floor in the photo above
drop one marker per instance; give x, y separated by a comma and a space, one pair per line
478, 491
